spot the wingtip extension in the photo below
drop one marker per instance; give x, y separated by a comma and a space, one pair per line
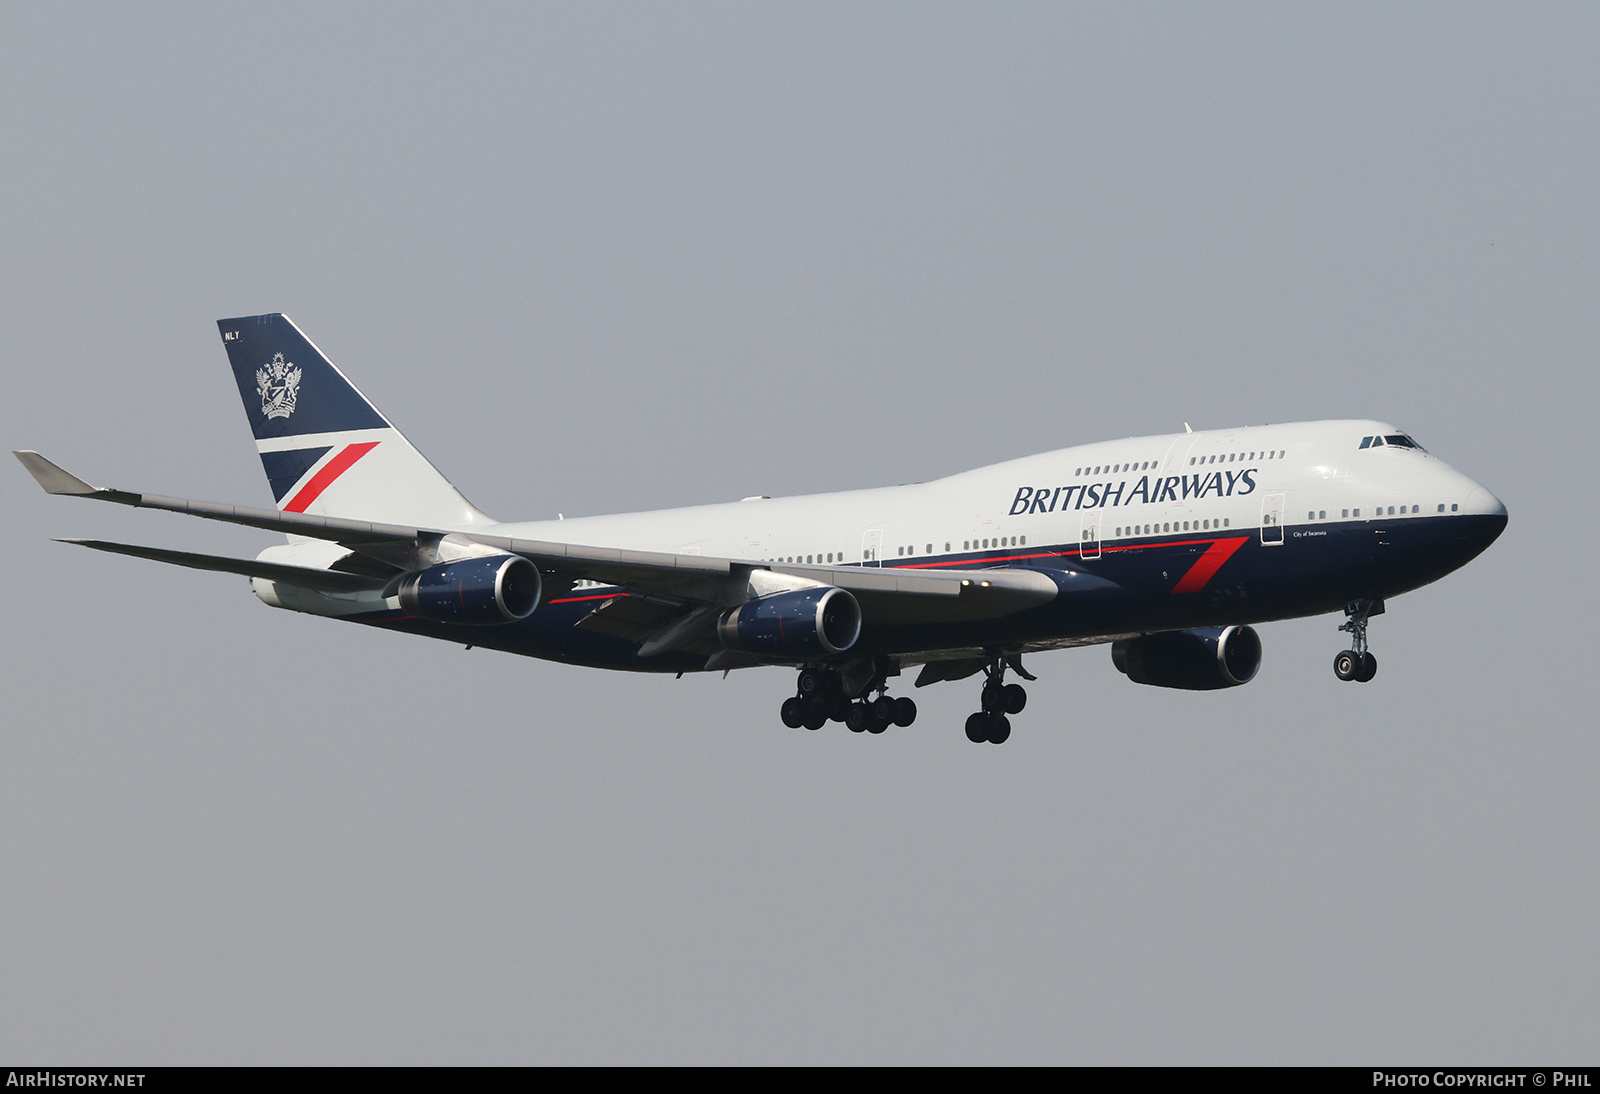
53, 479
57, 480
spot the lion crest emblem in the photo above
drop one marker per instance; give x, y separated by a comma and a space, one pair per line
278, 384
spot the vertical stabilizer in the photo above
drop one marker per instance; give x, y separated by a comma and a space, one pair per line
326, 449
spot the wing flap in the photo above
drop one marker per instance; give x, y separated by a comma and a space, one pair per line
950, 596
618, 564
634, 618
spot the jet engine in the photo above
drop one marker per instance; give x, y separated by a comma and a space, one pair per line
1202, 659
477, 591
794, 625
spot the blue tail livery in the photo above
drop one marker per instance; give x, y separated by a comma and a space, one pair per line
324, 447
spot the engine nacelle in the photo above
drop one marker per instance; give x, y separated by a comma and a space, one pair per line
1203, 659
476, 591
799, 624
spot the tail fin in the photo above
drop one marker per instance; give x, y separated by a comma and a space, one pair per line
326, 449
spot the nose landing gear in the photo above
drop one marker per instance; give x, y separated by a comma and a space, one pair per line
1357, 663
1350, 665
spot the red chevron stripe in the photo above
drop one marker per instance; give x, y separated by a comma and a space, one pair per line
324, 478
1208, 564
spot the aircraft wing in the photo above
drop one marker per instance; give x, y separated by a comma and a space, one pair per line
886, 595
327, 581
593, 563
984, 593
55, 480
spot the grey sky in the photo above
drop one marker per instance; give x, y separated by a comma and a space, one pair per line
601, 258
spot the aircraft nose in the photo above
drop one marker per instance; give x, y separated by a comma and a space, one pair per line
1484, 502
1488, 514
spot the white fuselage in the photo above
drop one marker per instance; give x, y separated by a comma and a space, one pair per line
1314, 472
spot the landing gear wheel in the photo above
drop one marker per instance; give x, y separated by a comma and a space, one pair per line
1346, 664
811, 682
816, 712
998, 700
999, 729
793, 712
905, 712
859, 718
1357, 662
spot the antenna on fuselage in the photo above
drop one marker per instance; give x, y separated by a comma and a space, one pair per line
1186, 428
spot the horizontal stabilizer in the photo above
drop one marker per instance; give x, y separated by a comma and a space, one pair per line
327, 581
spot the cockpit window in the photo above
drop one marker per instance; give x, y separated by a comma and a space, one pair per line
1393, 440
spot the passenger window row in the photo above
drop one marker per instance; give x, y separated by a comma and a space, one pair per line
1229, 457
1173, 526
988, 544
1379, 511
1114, 468
1131, 530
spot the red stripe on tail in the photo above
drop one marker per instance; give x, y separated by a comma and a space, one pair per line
324, 478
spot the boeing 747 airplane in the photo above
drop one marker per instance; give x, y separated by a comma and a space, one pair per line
1167, 548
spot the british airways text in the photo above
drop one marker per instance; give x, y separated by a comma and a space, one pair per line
1045, 499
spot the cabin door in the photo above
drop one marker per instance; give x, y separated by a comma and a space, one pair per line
1272, 519
871, 547
1089, 538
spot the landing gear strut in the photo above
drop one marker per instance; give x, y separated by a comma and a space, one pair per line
998, 700
821, 696
1357, 663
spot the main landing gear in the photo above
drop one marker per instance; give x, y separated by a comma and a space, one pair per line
999, 699
820, 697
1357, 663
